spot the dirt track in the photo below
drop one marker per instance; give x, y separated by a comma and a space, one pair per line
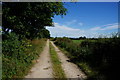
71, 70
43, 67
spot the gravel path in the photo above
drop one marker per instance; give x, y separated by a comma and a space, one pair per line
71, 70
43, 67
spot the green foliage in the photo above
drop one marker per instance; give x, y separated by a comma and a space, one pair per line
44, 33
12, 46
68, 45
29, 19
18, 55
20, 22
100, 55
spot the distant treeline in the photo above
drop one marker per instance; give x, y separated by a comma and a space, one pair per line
78, 38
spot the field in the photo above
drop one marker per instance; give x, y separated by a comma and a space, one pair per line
77, 41
80, 41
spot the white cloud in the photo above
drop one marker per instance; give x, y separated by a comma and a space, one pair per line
63, 30
95, 28
81, 24
63, 27
115, 26
71, 22
106, 27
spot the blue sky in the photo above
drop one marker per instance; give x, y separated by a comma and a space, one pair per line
90, 19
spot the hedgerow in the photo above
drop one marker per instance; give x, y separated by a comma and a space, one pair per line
18, 55
102, 55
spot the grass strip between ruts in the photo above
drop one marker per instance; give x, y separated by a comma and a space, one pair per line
58, 72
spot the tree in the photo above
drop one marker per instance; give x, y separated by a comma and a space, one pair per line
29, 18
82, 37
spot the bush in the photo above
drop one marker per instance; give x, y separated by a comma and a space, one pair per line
13, 55
67, 44
12, 46
18, 55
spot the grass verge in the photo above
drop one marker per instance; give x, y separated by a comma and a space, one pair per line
58, 72
86, 69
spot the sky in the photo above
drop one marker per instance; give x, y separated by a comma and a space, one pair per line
90, 19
